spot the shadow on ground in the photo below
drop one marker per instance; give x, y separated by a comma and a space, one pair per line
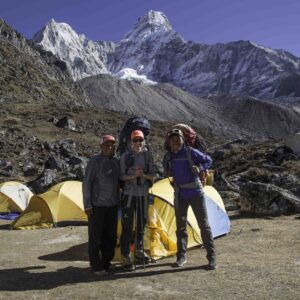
77, 252
34, 278
4, 227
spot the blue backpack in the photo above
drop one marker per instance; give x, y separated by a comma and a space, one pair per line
133, 123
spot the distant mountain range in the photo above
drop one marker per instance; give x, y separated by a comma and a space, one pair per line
152, 52
31, 74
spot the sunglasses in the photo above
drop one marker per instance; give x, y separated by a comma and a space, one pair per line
174, 132
138, 141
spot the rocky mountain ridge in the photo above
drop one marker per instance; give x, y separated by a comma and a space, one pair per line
31, 73
229, 117
154, 50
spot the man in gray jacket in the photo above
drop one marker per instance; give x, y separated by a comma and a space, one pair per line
100, 199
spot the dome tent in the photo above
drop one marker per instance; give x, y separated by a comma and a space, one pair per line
14, 197
62, 204
160, 237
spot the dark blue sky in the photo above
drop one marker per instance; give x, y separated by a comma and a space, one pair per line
271, 23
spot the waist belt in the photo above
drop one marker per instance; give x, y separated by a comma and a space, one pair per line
191, 185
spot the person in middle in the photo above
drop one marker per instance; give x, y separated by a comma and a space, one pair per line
137, 174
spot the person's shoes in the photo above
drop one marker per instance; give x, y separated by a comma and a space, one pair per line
110, 268
142, 257
212, 264
99, 272
126, 262
180, 262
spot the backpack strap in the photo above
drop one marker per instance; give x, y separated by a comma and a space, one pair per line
146, 159
129, 160
189, 157
167, 163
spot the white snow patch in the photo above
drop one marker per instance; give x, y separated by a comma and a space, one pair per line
273, 63
131, 75
269, 50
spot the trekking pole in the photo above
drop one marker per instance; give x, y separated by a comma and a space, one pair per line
142, 226
135, 234
139, 211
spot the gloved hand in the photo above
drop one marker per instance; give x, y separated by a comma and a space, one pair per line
203, 175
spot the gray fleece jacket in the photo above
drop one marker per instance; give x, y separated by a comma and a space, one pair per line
100, 185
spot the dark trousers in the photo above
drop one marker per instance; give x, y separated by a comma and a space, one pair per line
199, 208
102, 236
128, 216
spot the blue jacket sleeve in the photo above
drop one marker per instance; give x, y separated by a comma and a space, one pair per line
201, 159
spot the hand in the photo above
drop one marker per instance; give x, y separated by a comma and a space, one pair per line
195, 169
203, 176
89, 211
138, 173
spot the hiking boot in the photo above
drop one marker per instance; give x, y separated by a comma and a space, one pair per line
212, 264
110, 268
142, 256
99, 272
180, 262
126, 262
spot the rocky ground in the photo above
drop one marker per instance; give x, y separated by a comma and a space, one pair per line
258, 177
259, 259
55, 141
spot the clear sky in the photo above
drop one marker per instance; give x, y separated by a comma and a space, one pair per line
271, 23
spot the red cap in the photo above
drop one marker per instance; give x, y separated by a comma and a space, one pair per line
107, 138
137, 133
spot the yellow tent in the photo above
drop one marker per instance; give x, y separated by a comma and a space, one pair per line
61, 204
14, 196
160, 237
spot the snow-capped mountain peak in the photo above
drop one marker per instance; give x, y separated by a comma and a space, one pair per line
148, 24
57, 35
153, 52
82, 56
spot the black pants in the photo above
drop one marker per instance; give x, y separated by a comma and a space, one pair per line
199, 208
128, 215
102, 236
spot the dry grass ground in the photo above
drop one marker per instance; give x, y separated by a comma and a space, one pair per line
259, 259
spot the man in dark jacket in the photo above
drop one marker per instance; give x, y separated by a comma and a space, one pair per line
100, 199
184, 165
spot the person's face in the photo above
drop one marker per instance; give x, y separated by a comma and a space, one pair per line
108, 148
137, 144
175, 143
